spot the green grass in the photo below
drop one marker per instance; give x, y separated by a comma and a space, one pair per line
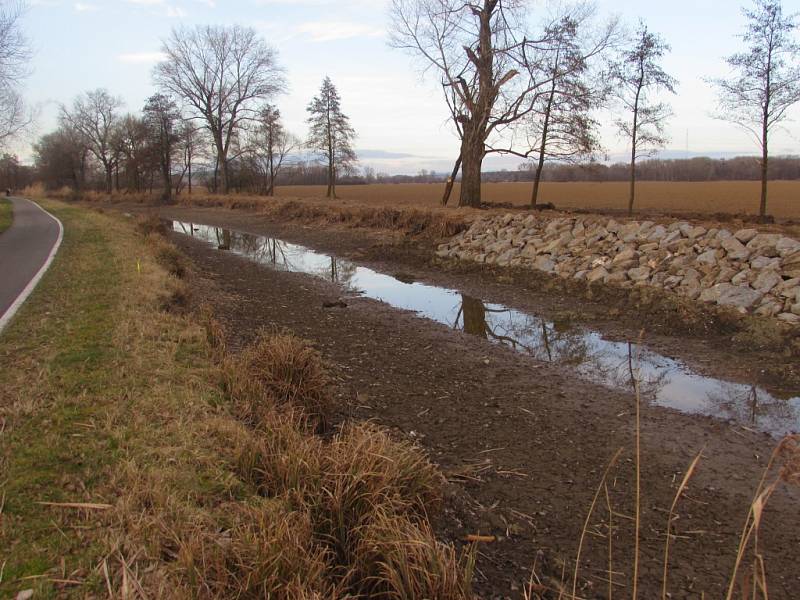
74, 364
110, 396
6, 214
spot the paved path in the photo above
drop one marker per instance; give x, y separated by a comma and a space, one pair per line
26, 249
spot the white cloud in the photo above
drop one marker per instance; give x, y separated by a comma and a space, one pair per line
83, 7
328, 31
136, 58
168, 9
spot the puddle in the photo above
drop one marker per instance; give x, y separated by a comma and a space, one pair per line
662, 380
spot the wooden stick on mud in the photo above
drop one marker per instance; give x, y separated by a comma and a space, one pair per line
486, 539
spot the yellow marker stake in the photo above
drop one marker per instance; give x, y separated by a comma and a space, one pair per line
138, 266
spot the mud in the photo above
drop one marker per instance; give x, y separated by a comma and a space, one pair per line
524, 443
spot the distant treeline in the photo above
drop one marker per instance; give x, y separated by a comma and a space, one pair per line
742, 168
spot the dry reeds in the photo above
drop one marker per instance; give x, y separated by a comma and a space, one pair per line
751, 581
265, 550
783, 468
279, 369
366, 473
282, 458
400, 559
366, 495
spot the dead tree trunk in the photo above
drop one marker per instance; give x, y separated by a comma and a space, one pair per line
451, 182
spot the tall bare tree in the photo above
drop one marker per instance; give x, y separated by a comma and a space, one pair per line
95, 115
222, 73
476, 48
561, 127
189, 145
162, 120
330, 134
134, 155
269, 147
15, 57
765, 82
481, 52
637, 78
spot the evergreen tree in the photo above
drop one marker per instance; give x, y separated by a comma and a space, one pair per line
330, 134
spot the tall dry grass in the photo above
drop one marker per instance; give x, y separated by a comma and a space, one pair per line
277, 370
366, 496
227, 489
748, 581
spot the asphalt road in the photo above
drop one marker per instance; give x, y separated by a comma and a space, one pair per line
25, 249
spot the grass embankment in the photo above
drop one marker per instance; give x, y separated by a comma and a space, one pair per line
140, 460
430, 222
6, 214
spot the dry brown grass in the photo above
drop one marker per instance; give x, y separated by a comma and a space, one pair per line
265, 550
197, 503
366, 473
279, 369
399, 559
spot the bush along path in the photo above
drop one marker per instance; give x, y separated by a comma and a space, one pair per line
141, 460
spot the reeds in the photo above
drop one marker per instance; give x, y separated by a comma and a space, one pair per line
364, 495
279, 370
749, 578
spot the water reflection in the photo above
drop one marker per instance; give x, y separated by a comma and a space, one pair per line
618, 365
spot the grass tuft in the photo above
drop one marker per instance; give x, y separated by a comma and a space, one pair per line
279, 370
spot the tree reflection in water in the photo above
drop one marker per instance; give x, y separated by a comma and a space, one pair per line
341, 272
254, 247
751, 406
560, 343
616, 364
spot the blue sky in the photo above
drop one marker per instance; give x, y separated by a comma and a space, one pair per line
114, 43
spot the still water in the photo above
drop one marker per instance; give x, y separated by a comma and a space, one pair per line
662, 380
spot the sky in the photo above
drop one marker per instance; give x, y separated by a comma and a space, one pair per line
398, 113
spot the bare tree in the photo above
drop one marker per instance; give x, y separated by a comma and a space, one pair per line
766, 78
221, 73
134, 158
561, 127
476, 48
189, 144
637, 77
481, 52
162, 120
270, 145
15, 57
95, 115
330, 133
61, 158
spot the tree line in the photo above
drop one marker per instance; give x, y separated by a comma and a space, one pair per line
213, 114
515, 82
533, 91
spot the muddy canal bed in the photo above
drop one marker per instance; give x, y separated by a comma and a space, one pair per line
523, 440
621, 365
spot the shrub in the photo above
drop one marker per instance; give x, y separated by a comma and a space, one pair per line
283, 370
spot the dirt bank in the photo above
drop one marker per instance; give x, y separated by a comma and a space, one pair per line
525, 443
684, 329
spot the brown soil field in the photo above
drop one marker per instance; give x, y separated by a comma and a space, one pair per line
736, 197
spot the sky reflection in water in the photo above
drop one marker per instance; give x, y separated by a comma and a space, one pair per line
663, 380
